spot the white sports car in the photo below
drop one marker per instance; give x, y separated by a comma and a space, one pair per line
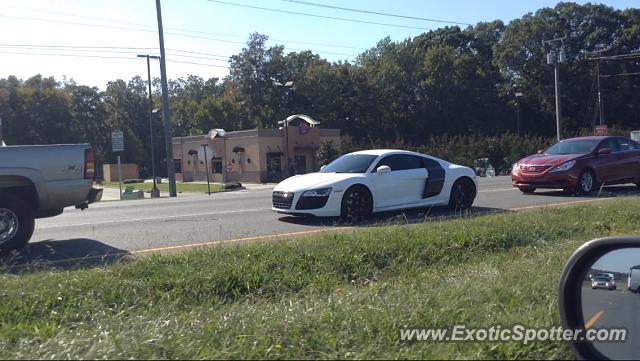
358, 184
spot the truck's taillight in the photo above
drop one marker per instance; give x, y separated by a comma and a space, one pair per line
89, 164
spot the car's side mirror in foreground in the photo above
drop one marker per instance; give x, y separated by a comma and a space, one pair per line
599, 296
540, 151
323, 167
383, 169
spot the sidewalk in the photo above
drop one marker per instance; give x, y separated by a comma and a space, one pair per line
112, 194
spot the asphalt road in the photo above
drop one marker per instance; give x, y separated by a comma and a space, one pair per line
145, 226
614, 309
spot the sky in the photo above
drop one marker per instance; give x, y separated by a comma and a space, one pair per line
97, 41
619, 260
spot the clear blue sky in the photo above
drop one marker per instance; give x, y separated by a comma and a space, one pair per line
107, 34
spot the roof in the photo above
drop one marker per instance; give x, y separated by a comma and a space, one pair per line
591, 137
384, 151
312, 122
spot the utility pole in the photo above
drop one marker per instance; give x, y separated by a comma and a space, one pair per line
556, 57
1, 138
600, 103
518, 96
155, 193
168, 131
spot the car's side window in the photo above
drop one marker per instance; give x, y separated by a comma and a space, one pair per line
626, 144
400, 162
611, 144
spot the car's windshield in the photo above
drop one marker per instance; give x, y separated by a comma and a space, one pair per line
350, 163
601, 279
576, 146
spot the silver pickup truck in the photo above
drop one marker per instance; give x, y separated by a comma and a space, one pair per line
39, 181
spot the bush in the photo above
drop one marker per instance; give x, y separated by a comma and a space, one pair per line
502, 150
232, 185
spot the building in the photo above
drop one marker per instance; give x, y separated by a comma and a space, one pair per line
257, 155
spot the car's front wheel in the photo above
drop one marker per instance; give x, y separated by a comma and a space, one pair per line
463, 193
16, 223
527, 190
357, 203
587, 182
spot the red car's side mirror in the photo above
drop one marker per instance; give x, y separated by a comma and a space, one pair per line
604, 151
540, 151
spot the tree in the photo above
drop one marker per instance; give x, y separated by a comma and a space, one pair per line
327, 152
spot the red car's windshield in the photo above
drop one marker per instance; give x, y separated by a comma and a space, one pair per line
576, 146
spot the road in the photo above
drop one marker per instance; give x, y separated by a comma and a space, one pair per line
602, 308
179, 223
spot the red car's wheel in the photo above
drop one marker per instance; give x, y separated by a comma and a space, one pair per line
527, 190
587, 182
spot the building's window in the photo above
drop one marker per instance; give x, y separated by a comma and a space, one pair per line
177, 165
274, 163
300, 164
249, 160
216, 165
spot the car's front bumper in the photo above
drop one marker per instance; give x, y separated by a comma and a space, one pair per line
547, 180
330, 209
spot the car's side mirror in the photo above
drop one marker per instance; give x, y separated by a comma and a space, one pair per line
602, 315
323, 167
383, 169
604, 151
540, 151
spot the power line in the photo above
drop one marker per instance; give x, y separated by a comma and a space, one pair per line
374, 12
152, 31
112, 49
179, 29
622, 74
105, 57
316, 16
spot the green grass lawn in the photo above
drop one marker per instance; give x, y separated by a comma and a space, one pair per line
164, 187
343, 295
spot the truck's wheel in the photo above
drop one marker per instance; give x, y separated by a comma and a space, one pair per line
16, 223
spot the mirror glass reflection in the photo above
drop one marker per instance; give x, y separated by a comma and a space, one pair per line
611, 299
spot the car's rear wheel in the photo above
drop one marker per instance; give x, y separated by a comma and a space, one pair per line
463, 193
587, 182
16, 223
357, 203
527, 190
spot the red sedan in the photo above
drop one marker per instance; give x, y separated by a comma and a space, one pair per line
580, 164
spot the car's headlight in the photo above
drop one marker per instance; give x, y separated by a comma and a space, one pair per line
514, 167
564, 166
322, 192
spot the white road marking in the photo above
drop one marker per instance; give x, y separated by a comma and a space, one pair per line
154, 218
497, 190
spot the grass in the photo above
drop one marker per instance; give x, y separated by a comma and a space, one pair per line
164, 187
334, 296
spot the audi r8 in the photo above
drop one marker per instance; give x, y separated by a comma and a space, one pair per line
358, 184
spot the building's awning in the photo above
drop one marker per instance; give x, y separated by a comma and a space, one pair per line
275, 154
306, 146
312, 122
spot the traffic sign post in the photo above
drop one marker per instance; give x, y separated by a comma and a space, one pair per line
228, 168
117, 146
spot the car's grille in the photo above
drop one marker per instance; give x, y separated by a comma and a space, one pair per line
534, 168
282, 200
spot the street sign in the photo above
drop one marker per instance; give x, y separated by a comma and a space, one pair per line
117, 141
229, 167
601, 130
